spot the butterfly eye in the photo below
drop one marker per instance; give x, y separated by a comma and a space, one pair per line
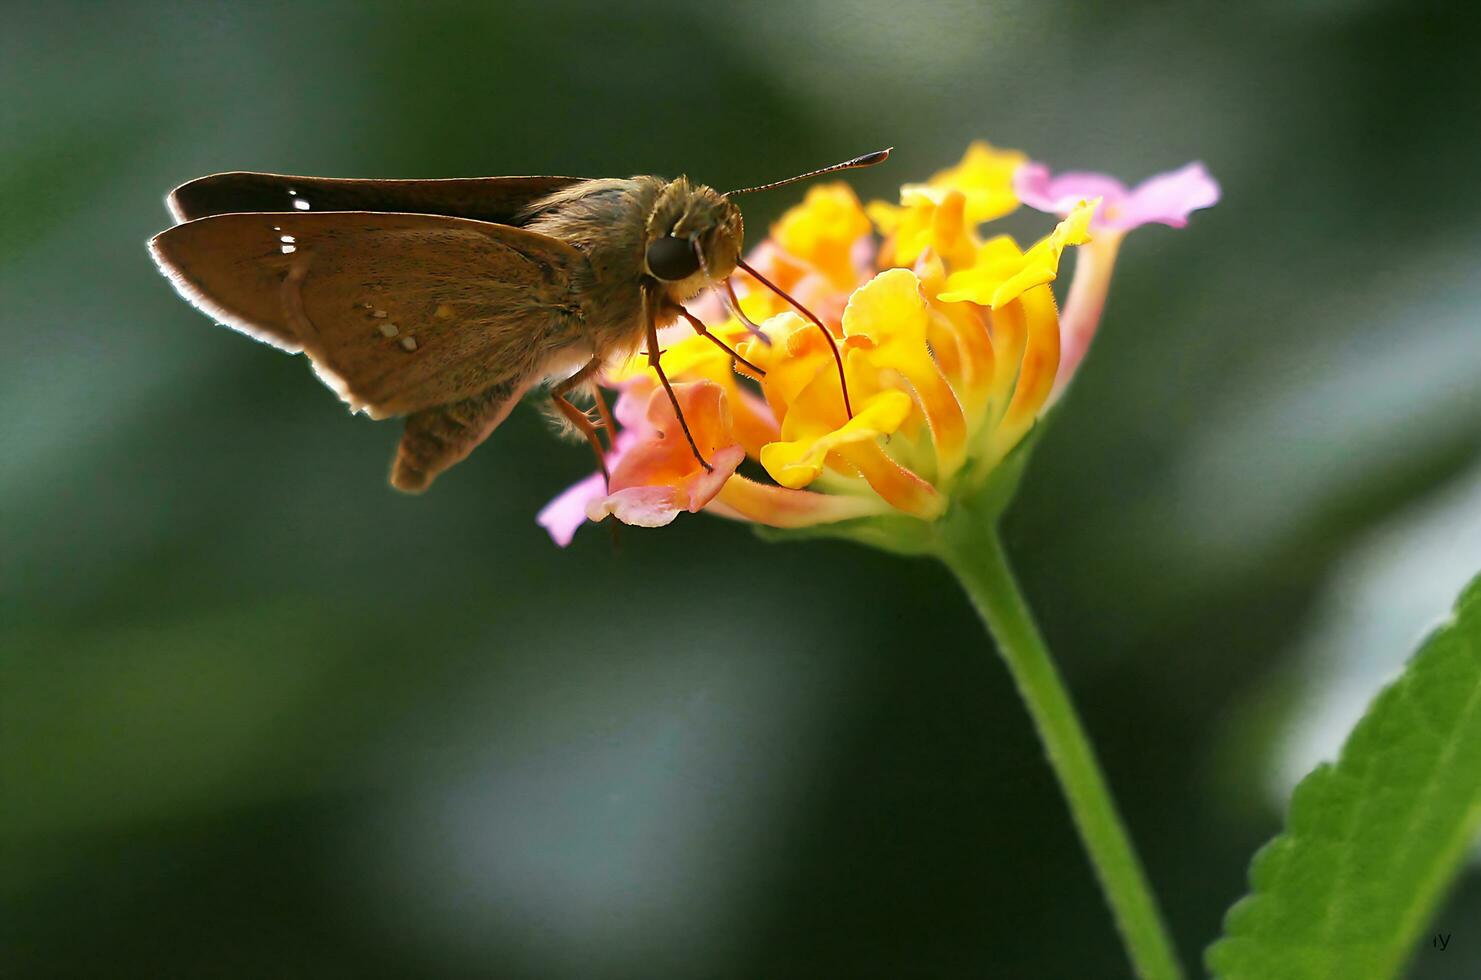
672, 259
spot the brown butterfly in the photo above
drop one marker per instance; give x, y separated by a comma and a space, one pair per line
447, 300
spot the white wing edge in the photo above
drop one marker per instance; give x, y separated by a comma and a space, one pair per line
191, 294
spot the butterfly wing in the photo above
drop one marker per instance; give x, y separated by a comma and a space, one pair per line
501, 200
398, 312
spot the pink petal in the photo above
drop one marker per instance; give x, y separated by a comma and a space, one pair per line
655, 506
646, 488
564, 515
1059, 195
1168, 198
638, 506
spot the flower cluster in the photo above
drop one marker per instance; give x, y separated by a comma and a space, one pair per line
952, 346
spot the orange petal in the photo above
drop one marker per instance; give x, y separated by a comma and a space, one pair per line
966, 328
951, 238
944, 348
1036, 370
660, 476
655, 506
697, 358
899, 487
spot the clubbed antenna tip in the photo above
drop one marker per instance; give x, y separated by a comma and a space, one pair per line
867, 160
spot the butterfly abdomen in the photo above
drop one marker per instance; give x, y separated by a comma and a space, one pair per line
436, 438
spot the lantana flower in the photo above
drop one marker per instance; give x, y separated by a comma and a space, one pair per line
953, 347
890, 396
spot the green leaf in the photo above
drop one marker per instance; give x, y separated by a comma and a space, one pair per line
1372, 842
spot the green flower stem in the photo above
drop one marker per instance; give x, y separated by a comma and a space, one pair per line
979, 563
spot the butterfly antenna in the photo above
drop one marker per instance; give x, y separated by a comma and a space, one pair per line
867, 160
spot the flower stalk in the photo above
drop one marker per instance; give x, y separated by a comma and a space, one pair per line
977, 559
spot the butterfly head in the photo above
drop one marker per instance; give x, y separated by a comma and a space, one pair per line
694, 237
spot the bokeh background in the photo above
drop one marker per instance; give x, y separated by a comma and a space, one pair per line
261, 716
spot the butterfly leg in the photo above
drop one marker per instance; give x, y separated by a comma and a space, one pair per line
608, 425
704, 332
654, 356
578, 418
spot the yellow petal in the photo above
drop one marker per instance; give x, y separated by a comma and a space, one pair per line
1000, 273
908, 225
984, 176
886, 216
822, 230
796, 356
799, 460
891, 311
888, 308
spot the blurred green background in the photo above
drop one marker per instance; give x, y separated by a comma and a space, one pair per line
260, 715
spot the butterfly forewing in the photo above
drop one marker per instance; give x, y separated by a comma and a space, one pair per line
502, 200
399, 312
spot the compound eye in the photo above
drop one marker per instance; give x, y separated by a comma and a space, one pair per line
672, 259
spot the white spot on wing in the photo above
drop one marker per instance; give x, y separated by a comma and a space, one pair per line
300, 204
388, 329
408, 344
